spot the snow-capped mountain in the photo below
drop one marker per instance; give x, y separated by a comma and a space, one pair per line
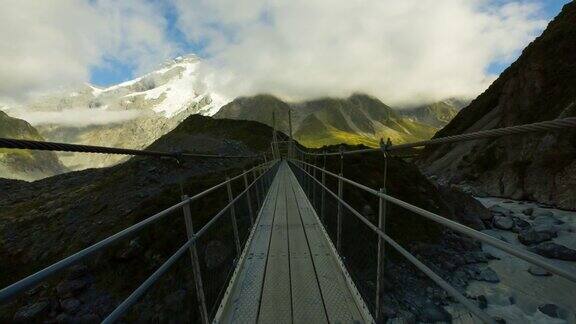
174, 88
132, 114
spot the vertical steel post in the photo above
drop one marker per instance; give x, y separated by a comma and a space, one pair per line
195, 262
248, 199
233, 217
339, 217
382, 227
381, 254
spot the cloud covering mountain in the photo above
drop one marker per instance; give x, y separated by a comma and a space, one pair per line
404, 52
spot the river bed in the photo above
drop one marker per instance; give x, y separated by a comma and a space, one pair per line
519, 293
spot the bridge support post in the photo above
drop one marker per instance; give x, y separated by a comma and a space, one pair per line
233, 218
195, 263
381, 254
248, 200
339, 216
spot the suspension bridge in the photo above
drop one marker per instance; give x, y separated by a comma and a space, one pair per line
287, 266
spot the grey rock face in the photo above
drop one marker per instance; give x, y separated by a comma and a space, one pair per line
554, 251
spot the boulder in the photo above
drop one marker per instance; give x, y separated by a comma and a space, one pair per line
498, 210
550, 310
33, 312
503, 223
531, 236
465, 208
554, 251
538, 272
520, 225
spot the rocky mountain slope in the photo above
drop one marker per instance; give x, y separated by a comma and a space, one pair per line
25, 164
538, 86
131, 114
437, 114
359, 119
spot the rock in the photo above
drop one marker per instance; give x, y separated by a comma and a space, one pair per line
465, 208
482, 302
76, 271
549, 309
498, 210
216, 254
70, 288
32, 312
70, 305
538, 272
520, 225
503, 223
531, 236
488, 275
554, 251
528, 211
543, 213
129, 252
431, 313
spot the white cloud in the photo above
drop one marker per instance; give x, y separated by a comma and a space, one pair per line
404, 52
77, 117
50, 44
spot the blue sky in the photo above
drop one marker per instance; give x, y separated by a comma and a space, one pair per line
114, 71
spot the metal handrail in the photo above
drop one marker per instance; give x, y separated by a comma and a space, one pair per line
141, 290
431, 274
31, 280
549, 125
525, 255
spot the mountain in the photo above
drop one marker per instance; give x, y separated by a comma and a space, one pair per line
25, 164
437, 114
539, 86
359, 119
132, 114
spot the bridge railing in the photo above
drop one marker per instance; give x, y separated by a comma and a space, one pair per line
214, 249
369, 282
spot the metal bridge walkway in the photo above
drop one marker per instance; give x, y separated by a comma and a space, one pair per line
289, 271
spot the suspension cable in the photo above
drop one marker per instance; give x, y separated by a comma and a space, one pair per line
11, 143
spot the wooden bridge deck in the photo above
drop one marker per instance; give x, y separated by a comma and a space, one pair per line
289, 272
